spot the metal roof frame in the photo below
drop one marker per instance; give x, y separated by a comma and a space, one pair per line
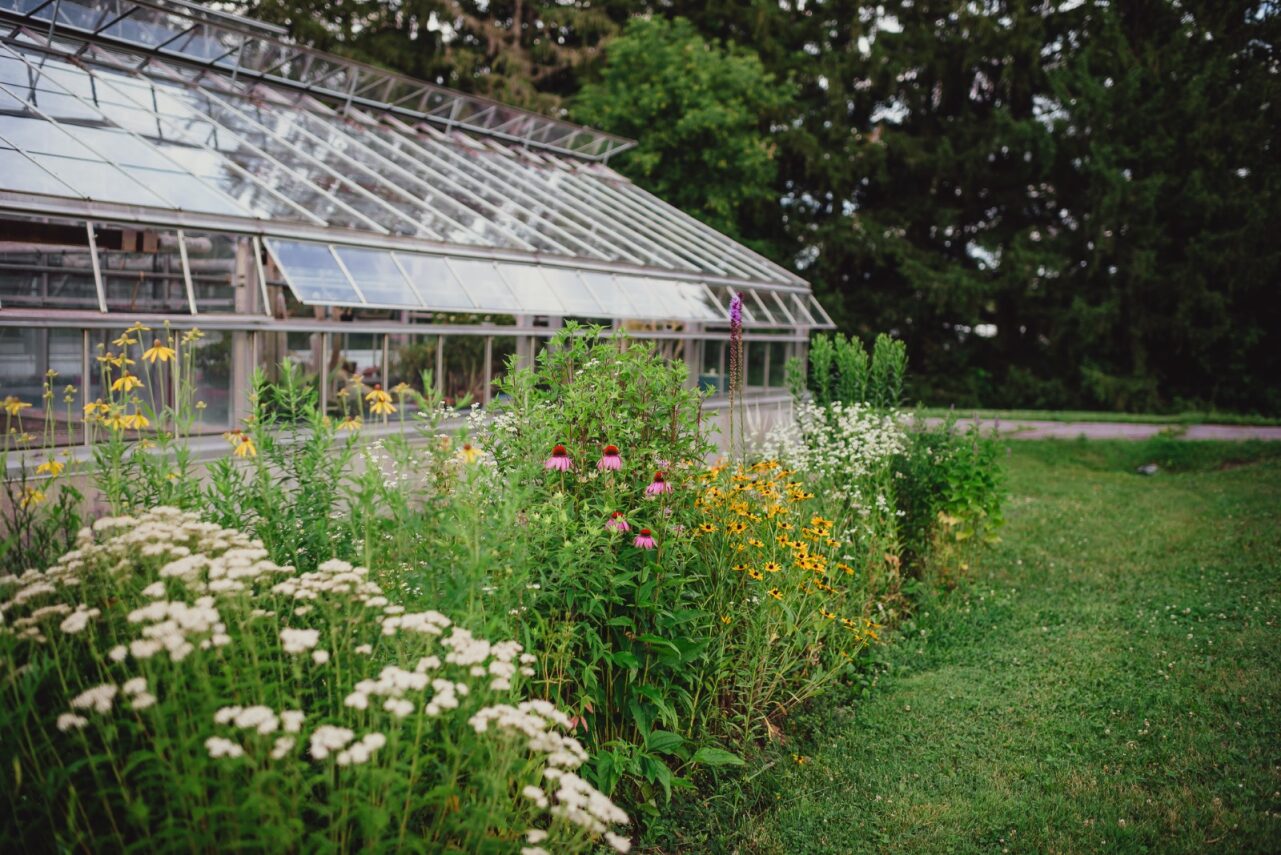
254, 51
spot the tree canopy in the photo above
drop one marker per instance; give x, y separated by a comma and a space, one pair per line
1054, 202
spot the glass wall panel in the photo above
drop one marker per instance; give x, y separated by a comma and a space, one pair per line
409, 357
304, 351
312, 272
378, 277
531, 288
355, 366
210, 359
45, 263
485, 287
777, 364
26, 355
464, 379
756, 355
212, 260
503, 350
573, 293
434, 281
609, 295
715, 363
145, 275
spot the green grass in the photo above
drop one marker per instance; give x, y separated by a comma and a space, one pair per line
1187, 418
1108, 680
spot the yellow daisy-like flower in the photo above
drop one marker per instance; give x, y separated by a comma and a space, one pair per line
825, 613
159, 353
706, 528
51, 467
756, 542
126, 383
737, 527
380, 402
725, 618
116, 420
776, 593
351, 423
756, 574
242, 442
31, 496
470, 453
402, 389
136, 421
740, 568
124, 340
14, 406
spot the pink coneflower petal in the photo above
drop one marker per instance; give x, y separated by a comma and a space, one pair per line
644, 540
659, 485
610, 459
617, 522
559, 459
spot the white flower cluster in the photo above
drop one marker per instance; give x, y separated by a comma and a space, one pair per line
172, 626
575, 800
257, 719
843, 445
334, 577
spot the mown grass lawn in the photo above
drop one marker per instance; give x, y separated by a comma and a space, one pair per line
1107, 680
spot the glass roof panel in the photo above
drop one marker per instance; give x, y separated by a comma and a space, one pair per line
656, 298
94, 179
531, 288
800, 310
573, 293
609, 294
819, 313
378, 277
779, 307
699, 302
23, 176
312, 272
486, 288
434, 281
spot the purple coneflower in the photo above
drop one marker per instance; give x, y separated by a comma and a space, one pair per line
659, 485
559, 459
609, 459
644, 540
617, 522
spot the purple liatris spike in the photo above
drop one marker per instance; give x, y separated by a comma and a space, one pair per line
736, 312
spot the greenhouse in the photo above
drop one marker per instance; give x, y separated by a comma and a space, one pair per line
165, 163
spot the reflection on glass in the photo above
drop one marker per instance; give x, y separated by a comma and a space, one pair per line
411, 359
378, 277
212, 260
757, 353
142, 271
27, 354
607, 292
531, 289
464, 380
486, 288
210, 361
355, 367
573, 293
46, 264
715, 362
777, 364
434, 282
503, 350
312, 272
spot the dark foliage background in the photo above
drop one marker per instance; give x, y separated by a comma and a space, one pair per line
1064, 203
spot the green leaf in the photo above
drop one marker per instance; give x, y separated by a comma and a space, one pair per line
664, 742
716, 757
